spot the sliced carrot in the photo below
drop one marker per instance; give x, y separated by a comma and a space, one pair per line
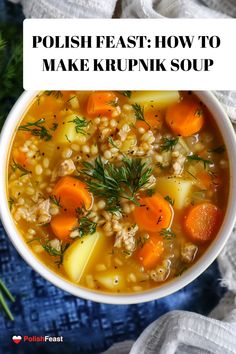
202, 222
62, 225
208, 181
103, 102
72, 194
153, 118
185, 118
154, 213
20, 157
151, 252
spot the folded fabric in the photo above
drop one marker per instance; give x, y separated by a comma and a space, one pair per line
67, 8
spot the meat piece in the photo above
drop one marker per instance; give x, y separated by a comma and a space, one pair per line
188, 252
65, 168
42, 213
126, 238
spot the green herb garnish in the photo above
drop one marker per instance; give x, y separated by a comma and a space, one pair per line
113, 103
218, 150
56, 94
37, 129
69, 141
139, 112
167, 234
55, 200
126, 93
198, 158
150, 192
170, 200
169, 144
11, 201
80, 124
4, 290
112, 143
16, 166
54, 127
86, 226
141, 240
113, 182
51, 250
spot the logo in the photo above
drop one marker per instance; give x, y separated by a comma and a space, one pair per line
30, 339
16, 339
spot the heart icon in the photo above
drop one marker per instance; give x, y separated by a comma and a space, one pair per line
16, 339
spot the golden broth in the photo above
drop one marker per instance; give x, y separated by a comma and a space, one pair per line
112, 244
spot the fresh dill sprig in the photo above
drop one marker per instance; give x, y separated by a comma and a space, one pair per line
56, 94
169, 200
218, 150
113, 103
195, 157
80, 124
169, 144
54, 127
52, 251
55, 200
112, 143
16, 166
4, 290
113, 182
167, 234
139, 112
141, 240
126, 93
86, 226
37, 129
11, 202
149, 192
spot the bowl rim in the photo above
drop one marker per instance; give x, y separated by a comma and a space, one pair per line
228, 135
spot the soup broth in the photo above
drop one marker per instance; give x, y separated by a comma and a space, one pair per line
118, 191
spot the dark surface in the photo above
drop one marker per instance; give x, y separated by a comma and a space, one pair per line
87, 327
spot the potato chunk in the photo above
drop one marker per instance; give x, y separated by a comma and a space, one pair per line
158, 99
178, 189
79, 253
111, 280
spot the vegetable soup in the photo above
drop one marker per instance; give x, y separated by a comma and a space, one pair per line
118, 191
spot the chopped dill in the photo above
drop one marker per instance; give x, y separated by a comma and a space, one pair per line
11, 202
51, 250
167, 234
37, 129
16, 166
126, 93
55, 200
218, 150
139, 112
80, 124
69, 141
56, 94
86, 226
54, 127
198, 158
169, 200
169, 144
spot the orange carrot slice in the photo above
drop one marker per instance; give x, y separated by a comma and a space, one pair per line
185, 118
151, 252
202, 222
103, 102
62, 225
72, 194
153, 214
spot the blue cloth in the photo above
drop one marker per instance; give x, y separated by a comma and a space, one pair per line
87, 327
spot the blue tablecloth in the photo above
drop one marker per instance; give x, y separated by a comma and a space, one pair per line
87, 327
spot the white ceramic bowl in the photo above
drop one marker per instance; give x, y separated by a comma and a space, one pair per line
170, 287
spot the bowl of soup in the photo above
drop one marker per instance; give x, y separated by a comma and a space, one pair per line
118, 196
